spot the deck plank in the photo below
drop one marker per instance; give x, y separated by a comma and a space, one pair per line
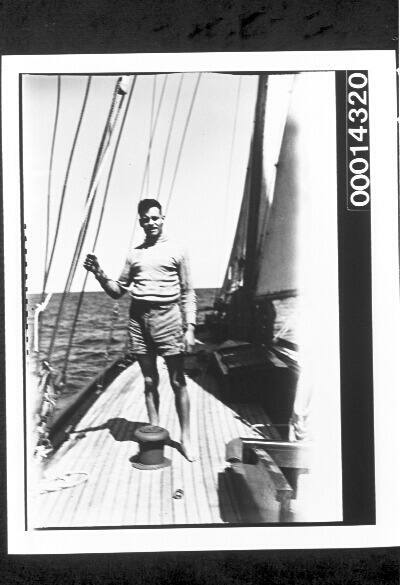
220, 416
198, 467
167, 410
87, 456
117, 494
178, 505
135, 412
199, 497
191, 488
212, 457
70, 458
104, 457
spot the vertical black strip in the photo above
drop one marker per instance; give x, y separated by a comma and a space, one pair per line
3, 431
24, 299
355, 311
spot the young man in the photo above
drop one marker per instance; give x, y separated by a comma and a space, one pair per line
158, 278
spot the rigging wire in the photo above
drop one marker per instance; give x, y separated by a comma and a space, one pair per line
104, 143
153, 100
105, 195
148, 156
88, 208
153, 130
171, 125
66, 179
266, 214
99, 165
111, 169
188, 117
92, 192
229, 176
49, 180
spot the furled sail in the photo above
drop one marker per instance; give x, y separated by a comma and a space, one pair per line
268, 258
270, 126
292, 221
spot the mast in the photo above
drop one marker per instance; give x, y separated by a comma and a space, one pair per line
239, 288
243, 314
256, 184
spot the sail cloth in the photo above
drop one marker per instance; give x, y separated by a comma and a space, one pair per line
296, 105
278, 94
297, 252
298, 175
317, 322
274, 266
235, 271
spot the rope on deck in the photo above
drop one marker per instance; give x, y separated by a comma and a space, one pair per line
62, 482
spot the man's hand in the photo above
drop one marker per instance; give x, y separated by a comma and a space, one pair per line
92, 264
189, 338
111, 287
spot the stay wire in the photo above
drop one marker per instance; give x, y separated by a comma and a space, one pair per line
171, 125
106, 135
105, 195
66, 179
75, 260
229, 176
188, 117
92, 192
111, 169
153, 131
49, 181
83, 229
148, 155
153, 100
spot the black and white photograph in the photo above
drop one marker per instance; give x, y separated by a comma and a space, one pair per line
182, 287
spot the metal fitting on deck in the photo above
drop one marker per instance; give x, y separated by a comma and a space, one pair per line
151, 441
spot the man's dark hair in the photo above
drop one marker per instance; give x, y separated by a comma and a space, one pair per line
146, 204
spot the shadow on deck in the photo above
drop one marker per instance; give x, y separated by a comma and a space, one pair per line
122, 429
103, 442
271, 389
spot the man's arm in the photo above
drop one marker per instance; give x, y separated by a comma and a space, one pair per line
111, 287
188, 297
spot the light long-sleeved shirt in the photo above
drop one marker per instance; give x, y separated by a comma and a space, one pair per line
159, 272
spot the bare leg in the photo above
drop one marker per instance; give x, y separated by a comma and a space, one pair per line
178, 383
148, 366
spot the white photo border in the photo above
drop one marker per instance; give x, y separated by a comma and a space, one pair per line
381, 69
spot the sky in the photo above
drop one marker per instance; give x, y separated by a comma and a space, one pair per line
206, 198
207, 192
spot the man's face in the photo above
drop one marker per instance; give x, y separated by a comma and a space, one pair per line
152, 222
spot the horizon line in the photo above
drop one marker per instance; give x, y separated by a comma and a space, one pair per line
57, 292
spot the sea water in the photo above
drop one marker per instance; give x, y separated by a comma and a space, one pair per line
100, 334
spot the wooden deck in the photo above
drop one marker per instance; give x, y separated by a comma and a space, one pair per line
114, 492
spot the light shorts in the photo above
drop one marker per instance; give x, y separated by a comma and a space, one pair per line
155, 329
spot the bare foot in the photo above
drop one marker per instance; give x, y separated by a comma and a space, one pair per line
186, 450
